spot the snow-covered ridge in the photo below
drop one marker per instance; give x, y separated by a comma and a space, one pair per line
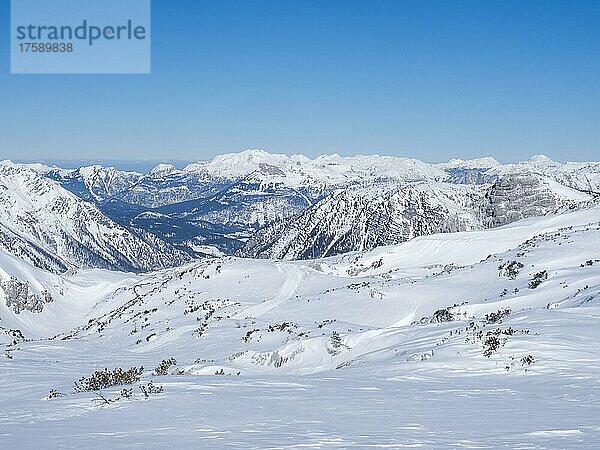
478, 163
339, 169
45, 224
333, 170
367, 217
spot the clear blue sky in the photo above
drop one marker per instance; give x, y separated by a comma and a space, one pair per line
427, 79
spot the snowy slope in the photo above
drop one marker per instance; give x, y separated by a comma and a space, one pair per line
399, 283
69, 300
277, 292
438, 326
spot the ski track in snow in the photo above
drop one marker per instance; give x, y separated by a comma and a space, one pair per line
294, 278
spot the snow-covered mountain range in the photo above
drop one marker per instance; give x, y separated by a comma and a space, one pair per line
219, 206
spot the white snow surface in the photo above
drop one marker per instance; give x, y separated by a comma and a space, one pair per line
382, 349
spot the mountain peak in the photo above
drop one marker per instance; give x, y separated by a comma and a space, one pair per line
486, 162
240, 164
163, 169
542, 160
247, 156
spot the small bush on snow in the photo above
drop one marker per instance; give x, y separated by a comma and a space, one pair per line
164, 366
102, 379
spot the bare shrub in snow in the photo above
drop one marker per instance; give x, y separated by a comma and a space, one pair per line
497, 316
102, 379
510, 269
336, 344
150, 389
491, 344
55, 394
164, 366
527, 360
538, 279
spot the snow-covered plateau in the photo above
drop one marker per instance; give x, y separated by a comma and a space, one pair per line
397, 304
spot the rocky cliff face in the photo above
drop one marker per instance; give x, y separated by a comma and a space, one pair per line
469, 176
581, 176
94, 183
518, 196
